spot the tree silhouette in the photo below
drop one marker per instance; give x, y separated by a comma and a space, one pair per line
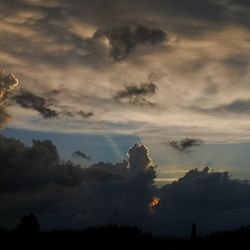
29, 224
193, 232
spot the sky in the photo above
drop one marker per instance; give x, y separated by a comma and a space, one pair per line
95, 77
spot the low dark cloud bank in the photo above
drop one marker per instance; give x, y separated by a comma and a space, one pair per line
65, 195
184, 145
123, 40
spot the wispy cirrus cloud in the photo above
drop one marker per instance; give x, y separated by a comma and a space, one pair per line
240, 107
201, 47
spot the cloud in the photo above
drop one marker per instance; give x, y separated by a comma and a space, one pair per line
69, 112
185, 144
123, 40
211, 199
27, 99
237, 107
139, 159
195, 55
66, 195
136, 94
7, 85
85, 114
81, 155
4, 116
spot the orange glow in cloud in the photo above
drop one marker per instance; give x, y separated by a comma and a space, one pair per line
155, 202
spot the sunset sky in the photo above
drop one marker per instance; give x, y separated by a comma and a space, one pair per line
98, 76
200, 68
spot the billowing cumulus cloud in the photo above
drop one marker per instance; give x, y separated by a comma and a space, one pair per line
211, 199
65, 195
7, 84
122, 40
81, 155
69, 195
136, 94
139, 159
184, 145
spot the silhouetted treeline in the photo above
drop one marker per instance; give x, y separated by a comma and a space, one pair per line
110, 237
28, 233
117, 237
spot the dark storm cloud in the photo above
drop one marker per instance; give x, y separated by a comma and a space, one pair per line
185, 144
122, 40
211, 199
81, 155
136, 94
65, 195
28, 100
